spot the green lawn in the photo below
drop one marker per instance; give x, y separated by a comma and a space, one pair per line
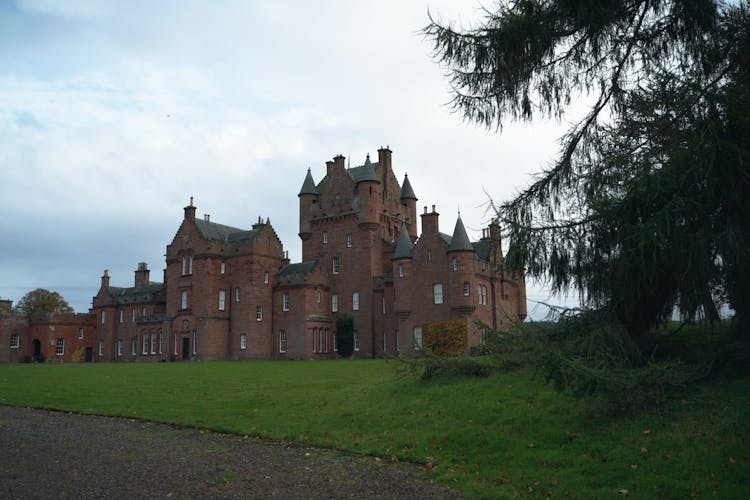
503, 436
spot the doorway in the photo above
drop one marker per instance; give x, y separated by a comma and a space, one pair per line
37, 349
185, 348
89, 354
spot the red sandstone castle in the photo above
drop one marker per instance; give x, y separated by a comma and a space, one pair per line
231, 293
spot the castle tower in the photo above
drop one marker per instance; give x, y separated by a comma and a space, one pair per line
368, 192
308, 194
402, 272
461, 269
409, 201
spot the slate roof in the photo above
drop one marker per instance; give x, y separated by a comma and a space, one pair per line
295, 273
403, 245
406, 190
309, 187
363, 173
460, 240
144, 293
482, 249
220, 232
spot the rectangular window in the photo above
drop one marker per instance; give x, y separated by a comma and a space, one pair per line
466, 288
285, 301
195, 342
132, 316
222, 299
184, 265
335, 344
315, 339
355, 301
161, 342
282, 340
237, 294
455, 264
119, 347
265, 277
101, 348
122, 315
482, 295
80, 334
259, 313
243, 342
336, 266
398, 343
317, 296
190, 265
145, 344
437, 291
60, 347
349, 240
385, 343
222, 268
382, 303
153, 343
326, 340
417, 338
15, 340
184, 300
104, 317
356, 340
325, 237
143, 311
401, 272
334, 303
133, 346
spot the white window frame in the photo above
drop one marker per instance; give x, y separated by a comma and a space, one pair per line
184, 266
101, 348
134, 346
15, 340
417, 338
236, 294
161, 342
401, 272
467, 288
243, 342
437, 293
153, 343
119, 347
385, 342
454, 264
382, 302
285, 301
132, 316
325, 333
60, 347
356, 340
317, 296
258, 313
222, 268
145, 343
122, 315
190, 264
80, 334
355, 301
398, 343
349, 240
265, 277
335, 343
325, 237
314, 340
222, 299
336, 265
144, 309
183, 300
334, 303
282, 341
104, 317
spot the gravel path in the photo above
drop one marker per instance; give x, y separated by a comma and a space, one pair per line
46, 454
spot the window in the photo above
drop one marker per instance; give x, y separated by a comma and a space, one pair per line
101, 348
437, 292
482, 295
184, 265
259, 313
222, 268
385, 343
195, 342
454, 263
349, 240
161, 342
282, 340
355, 301
153, 343
356, 340
104, 317
285, 301
143, 311
183, 300
222, 299
335, 344
133, 346
417, 338
145, 343
466, 288
122, 315
237, 294
382, 303
336, 266
315, 339
317, 296
60, 347
190, 265
429, 255
265, 278
243, 342
325, 237
15, 340
334, 303
401, 272
80, 334
326, 337
119, 347
132, 316
398, 343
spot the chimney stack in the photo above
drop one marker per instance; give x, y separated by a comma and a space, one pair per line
142, 274
105, 279
190, 210
430, 222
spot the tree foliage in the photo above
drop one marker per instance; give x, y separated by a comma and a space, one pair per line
345, 335
42, 301
644, 209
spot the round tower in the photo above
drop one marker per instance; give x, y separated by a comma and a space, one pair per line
460, 269
307, 196
402, 272
409, 201
368, 192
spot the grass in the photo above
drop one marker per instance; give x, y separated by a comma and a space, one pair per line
505, 435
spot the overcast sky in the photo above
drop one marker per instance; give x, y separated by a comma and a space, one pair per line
113, 113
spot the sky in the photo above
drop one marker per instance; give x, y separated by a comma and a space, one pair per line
114, 113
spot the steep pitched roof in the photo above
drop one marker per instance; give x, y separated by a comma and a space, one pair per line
309, 187
406, 190
220, 232
460, 240
295, 273
364, 172
403, 245
143, 293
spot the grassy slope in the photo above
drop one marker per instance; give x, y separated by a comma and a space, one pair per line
501, 436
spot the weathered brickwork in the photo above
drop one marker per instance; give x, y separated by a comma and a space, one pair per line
231, 294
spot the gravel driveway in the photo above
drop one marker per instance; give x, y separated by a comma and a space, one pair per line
47, 454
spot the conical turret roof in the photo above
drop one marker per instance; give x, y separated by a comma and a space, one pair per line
403, 245
406, 191
308, 187
460, 240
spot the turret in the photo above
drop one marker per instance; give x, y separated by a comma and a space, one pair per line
461, 268
402, 271
367, 189
308, 194
409, 201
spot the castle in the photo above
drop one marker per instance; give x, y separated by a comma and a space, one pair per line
231, 293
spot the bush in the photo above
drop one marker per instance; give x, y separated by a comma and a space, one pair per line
435, 366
